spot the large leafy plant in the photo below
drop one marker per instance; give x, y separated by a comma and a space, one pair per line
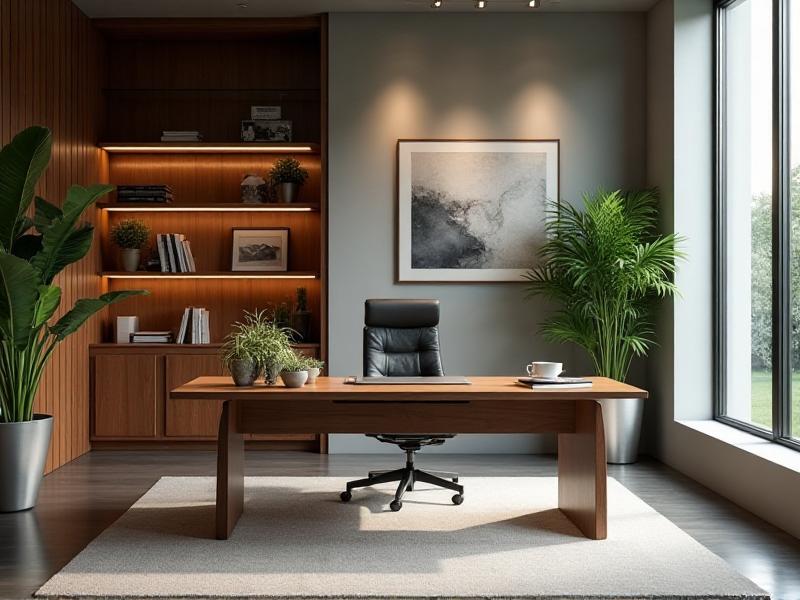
32, 252
605, 265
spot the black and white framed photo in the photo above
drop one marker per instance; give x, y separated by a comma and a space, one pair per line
472, 210
266, 131
260, 249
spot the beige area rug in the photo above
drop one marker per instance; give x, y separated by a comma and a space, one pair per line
296, 539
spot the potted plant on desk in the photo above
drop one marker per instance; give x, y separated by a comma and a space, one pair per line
605, 266
32, 252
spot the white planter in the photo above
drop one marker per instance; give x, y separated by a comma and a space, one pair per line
23, 452
313, 373
294, 379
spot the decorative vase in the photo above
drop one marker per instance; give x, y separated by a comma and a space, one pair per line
271, 372
622, 425
301, 323
287, 191
130, 258
254, 189
244, 371
294, 379
23, 452
313, 373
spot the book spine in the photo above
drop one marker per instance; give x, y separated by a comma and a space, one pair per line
179, 237
195, 325
187, 248
162, 253
206, 334
173, 253
182, 328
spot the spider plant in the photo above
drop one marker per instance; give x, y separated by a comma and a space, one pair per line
605, 265
33, 251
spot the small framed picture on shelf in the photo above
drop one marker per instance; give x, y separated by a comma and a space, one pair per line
265, 112
266, 131
260, 249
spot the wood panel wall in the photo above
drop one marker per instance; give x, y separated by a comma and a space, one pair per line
50, 74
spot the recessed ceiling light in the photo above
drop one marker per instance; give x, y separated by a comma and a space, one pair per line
436, 4
533, 3
480, 4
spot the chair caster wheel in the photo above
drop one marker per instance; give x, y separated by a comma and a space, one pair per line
395, 505
346, 496
455, 479
457, 499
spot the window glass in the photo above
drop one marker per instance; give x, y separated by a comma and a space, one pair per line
794, 188
748, 210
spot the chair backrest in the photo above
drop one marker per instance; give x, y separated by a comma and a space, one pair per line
401, 338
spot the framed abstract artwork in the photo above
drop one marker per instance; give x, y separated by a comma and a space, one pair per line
260, 249
472, 210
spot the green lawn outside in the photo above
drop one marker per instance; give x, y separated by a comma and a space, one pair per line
762, 404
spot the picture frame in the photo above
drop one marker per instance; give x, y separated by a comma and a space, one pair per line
260, 249
472, 210
260, 130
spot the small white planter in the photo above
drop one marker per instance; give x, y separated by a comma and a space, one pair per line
294, 379
313, 373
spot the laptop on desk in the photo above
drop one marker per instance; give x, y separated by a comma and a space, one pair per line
443, 380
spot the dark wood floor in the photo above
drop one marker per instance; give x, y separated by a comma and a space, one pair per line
81, 499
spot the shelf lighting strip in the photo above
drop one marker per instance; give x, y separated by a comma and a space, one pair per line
234, 149
145, 275
202, 209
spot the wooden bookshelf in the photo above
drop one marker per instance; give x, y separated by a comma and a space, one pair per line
176, 74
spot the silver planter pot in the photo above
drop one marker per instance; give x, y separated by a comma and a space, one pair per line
287, 192
23, 452
622, 422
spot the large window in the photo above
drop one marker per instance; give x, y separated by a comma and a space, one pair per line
758, 218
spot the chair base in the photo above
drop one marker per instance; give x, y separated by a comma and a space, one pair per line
407, 476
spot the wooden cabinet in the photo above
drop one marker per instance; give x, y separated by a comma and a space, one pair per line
130, 397
191, 418
128, 385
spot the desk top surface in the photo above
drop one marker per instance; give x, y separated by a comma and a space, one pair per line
334, 388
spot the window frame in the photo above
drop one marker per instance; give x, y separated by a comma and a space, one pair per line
781, 229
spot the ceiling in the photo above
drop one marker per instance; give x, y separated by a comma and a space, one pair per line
290, 8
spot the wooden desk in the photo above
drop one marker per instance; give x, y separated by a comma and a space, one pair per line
489, 405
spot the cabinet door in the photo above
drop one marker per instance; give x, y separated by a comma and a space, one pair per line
192, 418
125, 395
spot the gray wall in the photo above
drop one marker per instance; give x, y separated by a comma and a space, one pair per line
576, 77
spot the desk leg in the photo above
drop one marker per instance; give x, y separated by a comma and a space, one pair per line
582, 471
230, 471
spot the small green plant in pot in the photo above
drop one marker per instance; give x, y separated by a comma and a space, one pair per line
259, 343
294, 373
33, 251
130, 236
286, 177
605, 266
314, 367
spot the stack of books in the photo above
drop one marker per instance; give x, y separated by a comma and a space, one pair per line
175, 253
181, 136
194, 326
151, 337
144, 193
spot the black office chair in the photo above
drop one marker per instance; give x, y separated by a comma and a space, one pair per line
401, 339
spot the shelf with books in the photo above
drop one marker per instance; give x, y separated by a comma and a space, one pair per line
206, 207
210, 275
210, 147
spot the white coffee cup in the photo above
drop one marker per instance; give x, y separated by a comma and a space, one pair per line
548, 370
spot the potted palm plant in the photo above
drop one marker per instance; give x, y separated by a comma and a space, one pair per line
605, 266
32, 252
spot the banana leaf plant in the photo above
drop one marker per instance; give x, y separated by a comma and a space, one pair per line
33, 250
